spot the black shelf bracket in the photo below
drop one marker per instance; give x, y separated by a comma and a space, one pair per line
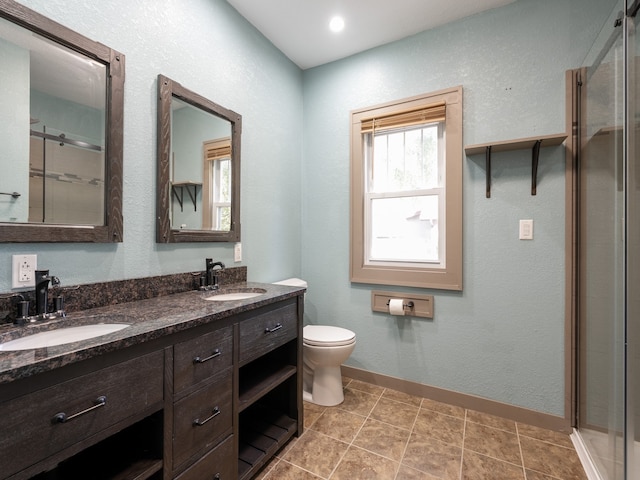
180, 197
487, 159
535, 154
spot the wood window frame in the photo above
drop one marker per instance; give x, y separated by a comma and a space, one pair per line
448, 277
213, 150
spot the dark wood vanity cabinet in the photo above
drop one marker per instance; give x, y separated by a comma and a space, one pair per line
212, 402
108, 410
200, 414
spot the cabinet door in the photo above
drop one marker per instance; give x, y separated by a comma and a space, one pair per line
263, 333
202, 419
218, 464
45, 422
202, 357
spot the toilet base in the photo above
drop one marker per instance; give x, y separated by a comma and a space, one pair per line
326, 388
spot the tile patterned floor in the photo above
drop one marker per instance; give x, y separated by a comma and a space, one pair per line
383, 434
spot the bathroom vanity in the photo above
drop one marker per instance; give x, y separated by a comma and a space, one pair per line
192, 389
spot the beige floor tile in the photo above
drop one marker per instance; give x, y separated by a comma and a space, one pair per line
402, 397
357, 401
551, 459
383, 439
316, 453
287, 471
362, 465
533, 475
445, 408
491, 421
366, 387
492, 442
339, 424
311, 413
481, 467
408, 473
546, 435
395, 413
445, 428
431, 456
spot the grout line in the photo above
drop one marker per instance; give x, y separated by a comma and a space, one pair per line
359, 430
524, 470
464, 437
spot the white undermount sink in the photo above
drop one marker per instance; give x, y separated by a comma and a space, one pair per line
60, 336
236, 294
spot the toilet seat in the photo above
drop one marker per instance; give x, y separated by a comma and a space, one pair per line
327, 336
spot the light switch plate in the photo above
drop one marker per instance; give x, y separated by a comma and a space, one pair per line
24, 271
237, 252
526, 229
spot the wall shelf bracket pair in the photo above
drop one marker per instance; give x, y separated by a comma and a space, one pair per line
533, 143
192, 190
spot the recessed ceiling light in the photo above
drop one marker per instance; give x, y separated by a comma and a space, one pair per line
336, 24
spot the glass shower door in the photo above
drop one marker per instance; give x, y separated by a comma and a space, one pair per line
633, 250
601, 258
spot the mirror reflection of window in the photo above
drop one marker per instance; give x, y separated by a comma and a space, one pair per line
52, 103
200, 169
217, 185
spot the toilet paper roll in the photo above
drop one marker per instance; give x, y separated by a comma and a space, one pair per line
396, 306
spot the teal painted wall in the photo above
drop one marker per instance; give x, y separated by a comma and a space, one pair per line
209, 48
502, 337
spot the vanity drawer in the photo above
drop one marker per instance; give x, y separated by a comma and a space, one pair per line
202, 418
202, 357
44, 422
267, 331
218, 464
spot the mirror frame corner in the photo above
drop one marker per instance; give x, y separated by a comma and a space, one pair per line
167, 90
112, 230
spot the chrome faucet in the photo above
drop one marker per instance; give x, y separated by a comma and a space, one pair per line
211, 277
42, 291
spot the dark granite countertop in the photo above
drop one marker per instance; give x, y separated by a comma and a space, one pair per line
149, 319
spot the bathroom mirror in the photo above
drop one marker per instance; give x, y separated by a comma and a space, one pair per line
198, 198
61, 111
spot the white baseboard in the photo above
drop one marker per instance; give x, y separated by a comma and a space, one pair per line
587, 463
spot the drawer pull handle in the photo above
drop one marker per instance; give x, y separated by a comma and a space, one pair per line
217, 476
270, 330
214, 413
216, 353
62, 417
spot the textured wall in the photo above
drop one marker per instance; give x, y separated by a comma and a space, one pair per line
207, 47
503, 337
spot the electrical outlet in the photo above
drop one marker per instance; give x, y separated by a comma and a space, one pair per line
23, 272
237, 252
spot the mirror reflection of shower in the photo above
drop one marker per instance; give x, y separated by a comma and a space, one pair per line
66, 178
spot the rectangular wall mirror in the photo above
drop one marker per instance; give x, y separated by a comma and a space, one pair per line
198, 198
61, 108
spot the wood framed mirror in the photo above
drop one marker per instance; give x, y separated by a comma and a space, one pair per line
198, 196
61, 108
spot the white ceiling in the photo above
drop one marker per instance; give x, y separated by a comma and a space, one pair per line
299, 28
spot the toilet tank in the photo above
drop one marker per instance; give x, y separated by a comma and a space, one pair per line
292, 282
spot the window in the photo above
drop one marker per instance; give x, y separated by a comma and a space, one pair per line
217, 185
406, 192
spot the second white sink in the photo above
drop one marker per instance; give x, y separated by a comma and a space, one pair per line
60, 336
236, 294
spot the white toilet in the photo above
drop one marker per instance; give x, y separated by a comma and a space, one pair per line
324, 349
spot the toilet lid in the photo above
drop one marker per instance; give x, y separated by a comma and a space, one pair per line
324, 335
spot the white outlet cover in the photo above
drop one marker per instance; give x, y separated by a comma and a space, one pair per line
23, 271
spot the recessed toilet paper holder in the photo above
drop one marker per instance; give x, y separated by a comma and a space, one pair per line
414, 304
409, 304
